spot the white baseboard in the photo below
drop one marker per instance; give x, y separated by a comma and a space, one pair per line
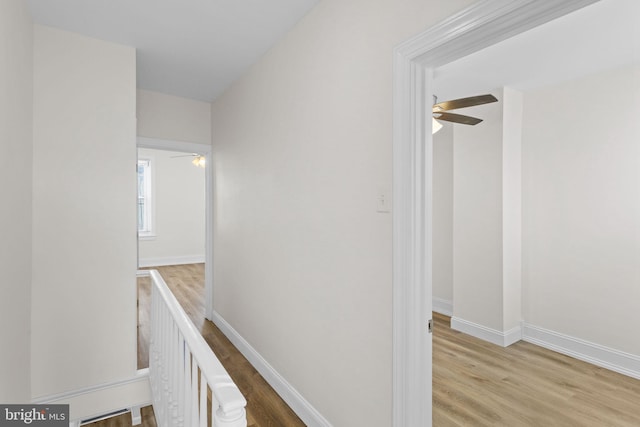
95, 401
294, 399
177, 260
442, 306
503, 339
512, 336
614, 360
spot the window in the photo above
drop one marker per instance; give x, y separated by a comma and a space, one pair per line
145, 222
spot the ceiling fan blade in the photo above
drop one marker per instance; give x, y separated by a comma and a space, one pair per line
464, 102
456, 118
185, 155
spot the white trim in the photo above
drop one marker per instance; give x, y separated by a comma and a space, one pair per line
442, 306
596, 354
205, 150
149, 198
94, 392
208, 237
307, 413
411, 256
177, 260
91, 420
512, 336
172, 145
141, 375
136, 416
485, 23
494, 336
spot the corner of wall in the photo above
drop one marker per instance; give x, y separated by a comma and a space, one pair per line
16, 152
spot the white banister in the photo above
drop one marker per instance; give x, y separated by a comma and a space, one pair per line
184, 373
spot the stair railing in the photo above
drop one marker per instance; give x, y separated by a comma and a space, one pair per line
189, 385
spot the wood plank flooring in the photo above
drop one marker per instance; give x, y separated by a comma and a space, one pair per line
475, 383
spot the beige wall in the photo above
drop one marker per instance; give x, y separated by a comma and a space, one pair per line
16, 89
84, 220
581, 205
303, 261
173, 118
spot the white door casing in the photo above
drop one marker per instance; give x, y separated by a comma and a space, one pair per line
205, 150
485, 23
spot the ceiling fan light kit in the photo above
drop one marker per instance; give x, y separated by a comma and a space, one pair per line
198, 159
440, 109
435, 126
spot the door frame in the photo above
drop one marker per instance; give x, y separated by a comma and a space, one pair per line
483, 24
205, 150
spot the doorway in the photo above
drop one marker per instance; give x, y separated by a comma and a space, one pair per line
481, 25
194, 161
171, 208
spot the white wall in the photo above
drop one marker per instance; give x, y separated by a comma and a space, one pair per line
581, 204
512, 106
443, 219
84, 218
174, 118
178, 189
487, 215
16, 89
303, 262
477, 218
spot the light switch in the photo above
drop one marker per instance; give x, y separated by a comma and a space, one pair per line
383, 201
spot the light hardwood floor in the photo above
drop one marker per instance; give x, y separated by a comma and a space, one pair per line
475, 383
480, 384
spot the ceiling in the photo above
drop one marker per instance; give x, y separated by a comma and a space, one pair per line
601, 36
189, 48
197, 48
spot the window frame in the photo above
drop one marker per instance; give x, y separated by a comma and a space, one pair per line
149, 233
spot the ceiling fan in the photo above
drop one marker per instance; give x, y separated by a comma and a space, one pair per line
198, 159
440, 110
